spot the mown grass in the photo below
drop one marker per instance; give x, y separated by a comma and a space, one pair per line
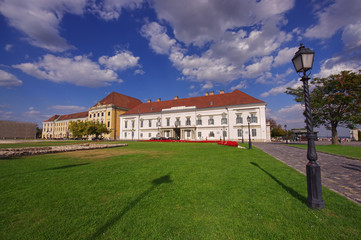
165, 191
342, 150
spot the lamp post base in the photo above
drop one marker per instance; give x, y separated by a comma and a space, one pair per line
314, 187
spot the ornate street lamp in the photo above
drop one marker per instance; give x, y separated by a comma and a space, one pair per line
242, 134
303, 61
286, 133
249, 133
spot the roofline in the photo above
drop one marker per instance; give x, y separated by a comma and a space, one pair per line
194, 109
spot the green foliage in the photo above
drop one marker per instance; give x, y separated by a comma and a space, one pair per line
165, 191
359, 135
335, 100
78, 128
278, 132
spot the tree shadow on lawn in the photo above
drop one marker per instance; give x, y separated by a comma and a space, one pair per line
155, 183
290, 190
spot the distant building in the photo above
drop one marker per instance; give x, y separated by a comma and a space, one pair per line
17, 130
354, 134
300, 134
106, 111
209, 117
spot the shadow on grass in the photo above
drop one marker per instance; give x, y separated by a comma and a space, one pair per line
47, 169
66, 166
155, 183
288, 189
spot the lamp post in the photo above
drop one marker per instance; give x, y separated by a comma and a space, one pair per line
286, 133
303, 61
249, 133
242, 134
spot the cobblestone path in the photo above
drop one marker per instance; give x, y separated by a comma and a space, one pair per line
339, 174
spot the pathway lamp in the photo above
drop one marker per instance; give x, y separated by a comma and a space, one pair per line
286, 133
249, 133
242, 134
303, 61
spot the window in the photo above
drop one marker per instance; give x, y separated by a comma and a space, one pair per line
125, 135
108, 113
239, 119
94, 115
126, 124
224, 120
211, 134
98, 115
254, 132
188, 121
90, 116
240, 132
188, 133
132, 124
150, 123
199, 121
199, 134
108, 124
253, 118
141, 135
211, 120
167, 133
102, 114
168, 121
149, 134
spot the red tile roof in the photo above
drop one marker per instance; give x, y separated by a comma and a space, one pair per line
73, 116
68, 116
120, 100
52, 118
227, 99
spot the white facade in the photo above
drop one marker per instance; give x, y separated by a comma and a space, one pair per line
190, 123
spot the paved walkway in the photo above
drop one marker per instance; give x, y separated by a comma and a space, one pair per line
339, 174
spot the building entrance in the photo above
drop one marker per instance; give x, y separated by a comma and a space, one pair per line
177, 133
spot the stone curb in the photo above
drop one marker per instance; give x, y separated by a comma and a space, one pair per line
28, 151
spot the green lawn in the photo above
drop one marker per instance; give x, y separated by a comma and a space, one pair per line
343, 150
165, 191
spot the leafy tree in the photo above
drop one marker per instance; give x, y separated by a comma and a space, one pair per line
278, 131
335, 100
39, 132
96, 128
78, 128
272, 122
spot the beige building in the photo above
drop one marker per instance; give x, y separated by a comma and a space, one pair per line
106, 111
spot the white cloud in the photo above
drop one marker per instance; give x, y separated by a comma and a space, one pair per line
159, 41
9, 80
120, 61
351, 36
338, 15
32, 112
258, 68
111, 9
79, 70
69, 108
336, 65
6, 115
40, 20
199, 22
281, 89
295, 108
207, 85
241, 85
8, 47
284, 56
139, 72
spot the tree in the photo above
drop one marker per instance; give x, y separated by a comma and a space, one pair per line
78, 128
96, 128
276, 129
39, 132
335, 100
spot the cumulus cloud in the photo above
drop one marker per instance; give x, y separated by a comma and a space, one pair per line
282, 88
120, 61
338, 15
9, 80
8, 47
69, 108
159, 41
284, 56
335, 65
40, 20
79, 70
203, 21
295, 108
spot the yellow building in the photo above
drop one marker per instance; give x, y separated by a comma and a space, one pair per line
106, 111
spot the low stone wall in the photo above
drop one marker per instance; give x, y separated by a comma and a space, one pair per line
19, 152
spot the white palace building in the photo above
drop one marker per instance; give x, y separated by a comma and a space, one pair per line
220, 116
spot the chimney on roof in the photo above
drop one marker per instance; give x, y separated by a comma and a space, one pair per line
158, 99
176, 98
207, 94
149, 100
221, 92
211, 93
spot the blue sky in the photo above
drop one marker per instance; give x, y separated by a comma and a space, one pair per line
62, 56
